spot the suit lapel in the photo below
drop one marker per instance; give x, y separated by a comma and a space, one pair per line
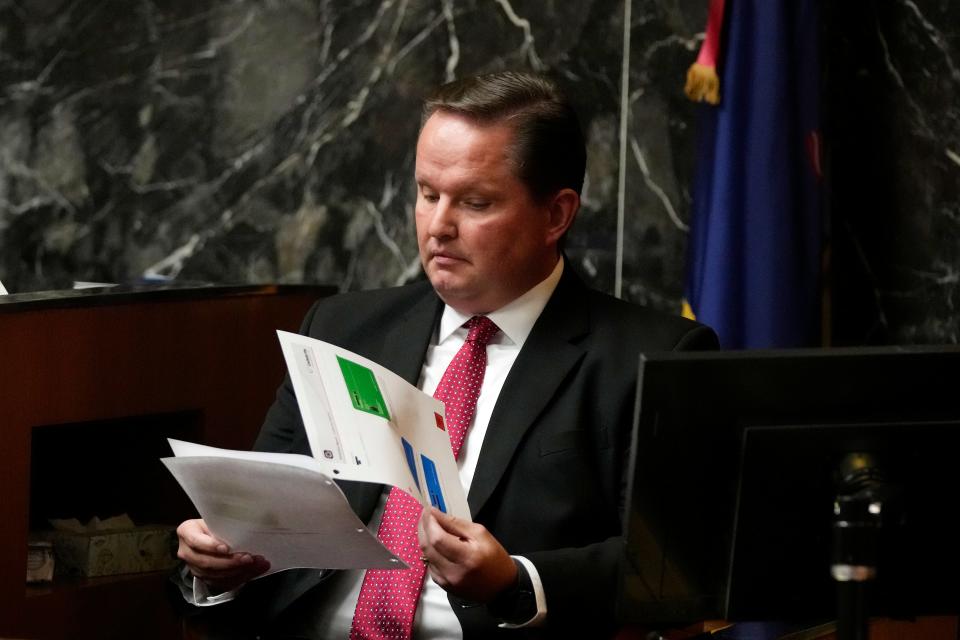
547, 357
405, 344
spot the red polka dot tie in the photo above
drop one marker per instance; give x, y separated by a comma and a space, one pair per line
388, 597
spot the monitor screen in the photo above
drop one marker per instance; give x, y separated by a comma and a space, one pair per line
735, 474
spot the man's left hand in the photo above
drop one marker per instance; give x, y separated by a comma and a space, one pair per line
463, 557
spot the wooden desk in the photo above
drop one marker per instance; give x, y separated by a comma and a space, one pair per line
91, 385
925, 628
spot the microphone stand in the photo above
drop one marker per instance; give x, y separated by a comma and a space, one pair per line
858, 510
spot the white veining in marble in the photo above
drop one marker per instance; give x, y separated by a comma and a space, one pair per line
253, 141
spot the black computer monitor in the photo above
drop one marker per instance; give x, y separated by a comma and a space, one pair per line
734, 478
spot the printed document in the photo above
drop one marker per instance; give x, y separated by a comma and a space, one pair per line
364, 424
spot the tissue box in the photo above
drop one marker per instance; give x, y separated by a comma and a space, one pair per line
113, 552
40, 561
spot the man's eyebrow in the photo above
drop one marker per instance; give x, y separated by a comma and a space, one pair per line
484, 188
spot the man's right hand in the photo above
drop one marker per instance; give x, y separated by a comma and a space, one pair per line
212, 560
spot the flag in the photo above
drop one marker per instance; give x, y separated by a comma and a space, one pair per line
753, 269
703, 84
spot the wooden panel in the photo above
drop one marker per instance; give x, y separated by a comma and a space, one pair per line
929, 628
932, 628
206, 365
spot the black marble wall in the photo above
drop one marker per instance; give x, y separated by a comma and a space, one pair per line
892, 124
252, 141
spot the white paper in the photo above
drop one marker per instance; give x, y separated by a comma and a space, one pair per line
278, 506
395, 435
364, 423
3, 290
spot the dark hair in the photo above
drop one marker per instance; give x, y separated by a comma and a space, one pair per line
548, 149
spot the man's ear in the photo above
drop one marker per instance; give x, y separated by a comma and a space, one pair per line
563, 209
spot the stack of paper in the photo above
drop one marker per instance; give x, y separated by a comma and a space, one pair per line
364, 423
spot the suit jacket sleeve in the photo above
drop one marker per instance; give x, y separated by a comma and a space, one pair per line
282, 430
361, 322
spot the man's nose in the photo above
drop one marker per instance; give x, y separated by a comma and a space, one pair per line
443, 223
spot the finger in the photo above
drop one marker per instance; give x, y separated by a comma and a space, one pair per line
214, 562
251, 567
451, 548
202, 524
454, 539
436, 524
451, 524
229, 581
194, 534
429, 529
430, 532
440, 573
443, 570
422, 525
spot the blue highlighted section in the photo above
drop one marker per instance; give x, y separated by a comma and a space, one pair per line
433, 483
411, 461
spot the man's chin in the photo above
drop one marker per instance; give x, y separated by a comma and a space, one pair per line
456, 295
448, 291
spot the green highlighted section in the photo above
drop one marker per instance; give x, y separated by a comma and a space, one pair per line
363, 388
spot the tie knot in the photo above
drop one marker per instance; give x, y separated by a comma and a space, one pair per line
481, 329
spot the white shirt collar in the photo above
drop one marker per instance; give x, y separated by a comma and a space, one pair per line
515, 319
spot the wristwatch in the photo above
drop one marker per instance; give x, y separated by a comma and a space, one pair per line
517, 603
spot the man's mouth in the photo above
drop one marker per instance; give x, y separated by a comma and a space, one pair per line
445, 258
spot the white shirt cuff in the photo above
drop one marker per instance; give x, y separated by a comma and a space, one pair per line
196, 592
541, 599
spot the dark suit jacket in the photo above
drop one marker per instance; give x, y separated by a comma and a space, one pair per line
549, 480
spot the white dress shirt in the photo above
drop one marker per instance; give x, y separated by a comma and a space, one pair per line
435, 618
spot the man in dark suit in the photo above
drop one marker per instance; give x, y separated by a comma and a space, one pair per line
500, 165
